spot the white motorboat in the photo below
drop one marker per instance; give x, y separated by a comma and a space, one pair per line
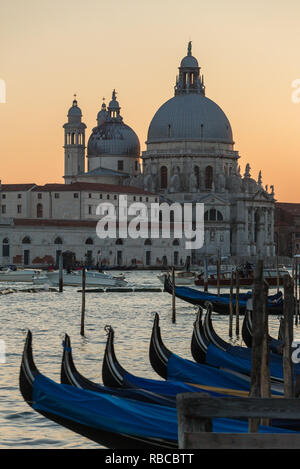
18, 275
181, 278
74, 279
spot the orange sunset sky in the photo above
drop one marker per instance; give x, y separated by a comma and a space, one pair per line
50, 49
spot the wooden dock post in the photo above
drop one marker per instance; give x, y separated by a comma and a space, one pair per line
218, 275
288, 311
83, 303
259, 372
60, 274
277, 269
231, 306
173, 297
265, 355
296, 276
237, 304
205, 275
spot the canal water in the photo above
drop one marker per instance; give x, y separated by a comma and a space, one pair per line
49, 315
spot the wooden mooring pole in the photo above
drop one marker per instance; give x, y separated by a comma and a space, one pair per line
237, 304
231, 306
60, 274
296, 276
173, 297
205, 275
288, 311
83, 303
260, 374
218, 275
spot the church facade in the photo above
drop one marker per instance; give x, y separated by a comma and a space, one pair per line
189, 158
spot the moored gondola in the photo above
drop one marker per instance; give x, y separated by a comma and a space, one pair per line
93, 415
274, 344
199, 342
220, 302
71, 376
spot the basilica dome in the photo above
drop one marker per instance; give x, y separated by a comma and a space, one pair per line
190, 116
112, 136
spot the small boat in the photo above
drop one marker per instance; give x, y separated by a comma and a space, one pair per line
115, 376
111, 421
246, 277
181, 278
226, 356
221, 303
172, 367
70, 375
18, 275
74, 279
274, 344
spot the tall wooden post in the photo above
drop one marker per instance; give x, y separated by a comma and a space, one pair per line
60, 274
205, 275
257, 338
296, 290
173, 297
288, 311
218, 275
237, 305
277, 269
265, 360
231, 306
83, 303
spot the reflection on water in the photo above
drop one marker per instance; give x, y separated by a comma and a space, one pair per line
50, 315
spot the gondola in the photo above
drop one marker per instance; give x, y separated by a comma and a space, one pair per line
113, 374
221, 303
275, 344
111, 421
71, 376
221, 354
172, 367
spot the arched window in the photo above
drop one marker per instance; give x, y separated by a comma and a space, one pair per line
208, 177
119, 242
163, 177
176, 242
26, 240
5, 247
219, 216
58, 240
39, 211
148, 242
89, 241
197, 175
213, 215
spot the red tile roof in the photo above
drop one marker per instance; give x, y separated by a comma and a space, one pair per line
17, 187
91, 186
52, 222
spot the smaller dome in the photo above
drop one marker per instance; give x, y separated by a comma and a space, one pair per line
75, 110
189, 62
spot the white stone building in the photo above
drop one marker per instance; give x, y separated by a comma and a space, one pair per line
190, 158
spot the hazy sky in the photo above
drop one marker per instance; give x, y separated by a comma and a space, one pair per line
50, 49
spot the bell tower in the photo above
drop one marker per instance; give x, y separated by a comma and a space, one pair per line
74, 144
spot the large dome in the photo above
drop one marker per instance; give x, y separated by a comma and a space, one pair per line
190, 117
113, 138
